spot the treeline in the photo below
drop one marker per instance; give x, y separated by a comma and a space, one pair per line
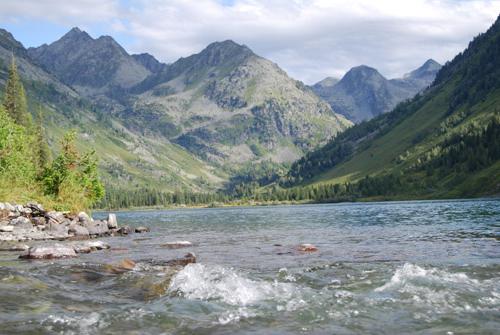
116, 198
27, 171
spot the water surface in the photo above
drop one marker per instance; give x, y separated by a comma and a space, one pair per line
424, 267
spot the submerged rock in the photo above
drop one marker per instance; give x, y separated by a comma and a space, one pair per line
142, 229
187, 259
90, 246
176, 244
125, 230
50, 252
306, 247
14, 247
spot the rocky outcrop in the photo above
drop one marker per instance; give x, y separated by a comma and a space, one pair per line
32, 222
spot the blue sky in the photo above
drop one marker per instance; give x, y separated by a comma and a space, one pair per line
310, 39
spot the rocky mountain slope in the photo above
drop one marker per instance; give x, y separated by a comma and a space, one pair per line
126, 158
91, 66
364, 93
187, 125
227, 104
443, 143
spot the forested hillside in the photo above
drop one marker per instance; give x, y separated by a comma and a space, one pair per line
443, 143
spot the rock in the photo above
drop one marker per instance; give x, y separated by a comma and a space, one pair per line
2, 206
55, 217
84, 218
59, 231
39, 220
22, 223
78, 230
4, 214
112, 223
50, 252
97, 228
36, 209
124, 266
125, 230
187, 259
6, 229
9, 207
306, 247
90, 246
141, 229
26, 211
18, 208
176, 244
14, 247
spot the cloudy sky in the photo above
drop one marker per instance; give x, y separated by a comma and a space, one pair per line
310, 39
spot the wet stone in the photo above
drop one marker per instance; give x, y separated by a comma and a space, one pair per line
50, 252
142, 229
176, 244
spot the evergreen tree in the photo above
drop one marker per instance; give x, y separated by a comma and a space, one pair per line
15, 98
43, 153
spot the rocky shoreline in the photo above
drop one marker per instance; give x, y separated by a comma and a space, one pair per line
23, 223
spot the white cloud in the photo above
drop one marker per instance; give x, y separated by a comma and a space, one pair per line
310, 39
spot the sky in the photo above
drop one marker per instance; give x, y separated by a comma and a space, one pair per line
310, 39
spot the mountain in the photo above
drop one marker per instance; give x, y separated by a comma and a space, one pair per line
230, 107
364, 93
189, 125
91, 66
442, 143
124, 156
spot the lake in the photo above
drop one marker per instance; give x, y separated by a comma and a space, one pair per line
419, 267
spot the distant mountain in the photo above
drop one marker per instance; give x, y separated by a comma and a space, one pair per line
230, 106
149, 62
364, 93
442, 143
91, 66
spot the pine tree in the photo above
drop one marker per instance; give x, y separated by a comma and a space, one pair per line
15, 98
43, 153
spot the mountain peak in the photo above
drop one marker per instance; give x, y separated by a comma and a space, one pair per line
427, 71
76, 34
362, 72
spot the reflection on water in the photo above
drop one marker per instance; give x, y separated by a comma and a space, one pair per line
398, 267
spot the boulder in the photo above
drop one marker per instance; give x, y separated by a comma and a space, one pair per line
55, 217
59, 231
90, 246
84, 218
97, 228
141, 229
2, 206
6, 229
176, 244
21, 223
49, 252
9, 207
306, 247
124, 230
18, 208
36, 209
77, 230
39, 220
112, 223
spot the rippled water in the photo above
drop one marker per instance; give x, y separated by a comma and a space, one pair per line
428, 267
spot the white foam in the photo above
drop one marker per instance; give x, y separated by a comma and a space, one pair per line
203, 282
410, 272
